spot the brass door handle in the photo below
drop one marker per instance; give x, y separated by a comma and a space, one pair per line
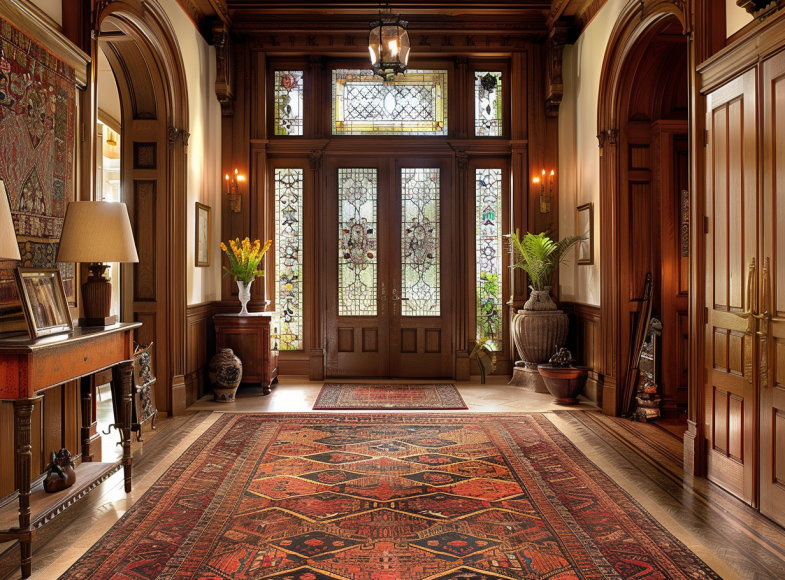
765, 315
750, 293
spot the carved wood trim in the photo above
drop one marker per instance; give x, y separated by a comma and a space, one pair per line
224, 67
26, 18
636, 20
557, 38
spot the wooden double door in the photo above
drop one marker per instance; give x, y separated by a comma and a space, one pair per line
387, 237
745, 287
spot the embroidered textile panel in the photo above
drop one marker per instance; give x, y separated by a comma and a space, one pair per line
37, 139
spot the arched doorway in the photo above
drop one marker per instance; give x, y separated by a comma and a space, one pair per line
141, 47
644, 192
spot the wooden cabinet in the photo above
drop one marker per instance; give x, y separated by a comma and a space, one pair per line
251, 339
744, 396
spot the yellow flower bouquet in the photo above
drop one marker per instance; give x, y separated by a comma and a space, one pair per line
244, 259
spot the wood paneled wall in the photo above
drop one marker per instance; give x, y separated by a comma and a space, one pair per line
201, 348
585, 343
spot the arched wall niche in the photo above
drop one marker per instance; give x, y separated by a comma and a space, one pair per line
637, 25
143, 52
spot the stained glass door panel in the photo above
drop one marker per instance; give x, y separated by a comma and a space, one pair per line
356, 258
421, 317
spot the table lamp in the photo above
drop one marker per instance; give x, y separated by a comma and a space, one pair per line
9, 247
97, 232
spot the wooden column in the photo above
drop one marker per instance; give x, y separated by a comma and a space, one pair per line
23, 411
317, 299
519, 166
461, 262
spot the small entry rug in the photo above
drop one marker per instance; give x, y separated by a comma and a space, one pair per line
375, 396
383, 497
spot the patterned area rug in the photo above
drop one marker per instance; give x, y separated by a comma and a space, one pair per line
370, 396
383, 497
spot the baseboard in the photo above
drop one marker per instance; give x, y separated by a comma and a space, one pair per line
179, 395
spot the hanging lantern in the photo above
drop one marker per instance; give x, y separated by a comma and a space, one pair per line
389, 45
110, 148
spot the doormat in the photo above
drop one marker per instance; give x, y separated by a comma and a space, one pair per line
375, 396
376, 496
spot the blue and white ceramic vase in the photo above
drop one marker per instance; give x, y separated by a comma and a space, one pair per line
226, 372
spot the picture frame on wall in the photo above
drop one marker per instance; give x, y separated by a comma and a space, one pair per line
43, 301
203, 235
585, 227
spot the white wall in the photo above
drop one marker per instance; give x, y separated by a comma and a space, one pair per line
579, 153
204, 150
736, 18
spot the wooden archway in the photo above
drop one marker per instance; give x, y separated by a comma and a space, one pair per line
636, 25
142, 49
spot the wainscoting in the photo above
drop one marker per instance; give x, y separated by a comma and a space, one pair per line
201, 347
585, 343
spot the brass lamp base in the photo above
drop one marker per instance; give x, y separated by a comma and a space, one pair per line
97, 298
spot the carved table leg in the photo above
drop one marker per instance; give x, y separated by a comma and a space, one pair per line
126, 372
23, 410
87, 417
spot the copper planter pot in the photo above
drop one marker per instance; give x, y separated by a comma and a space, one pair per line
564, 383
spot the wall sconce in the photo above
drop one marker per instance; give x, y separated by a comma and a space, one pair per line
233, 193
545, 200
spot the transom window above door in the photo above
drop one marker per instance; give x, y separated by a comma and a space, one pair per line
365, 104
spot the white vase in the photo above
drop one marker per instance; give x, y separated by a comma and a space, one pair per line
244, 295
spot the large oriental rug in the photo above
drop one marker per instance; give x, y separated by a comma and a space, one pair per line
374, 396
386, 497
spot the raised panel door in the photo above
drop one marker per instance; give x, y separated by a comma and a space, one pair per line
731, 261
771, 309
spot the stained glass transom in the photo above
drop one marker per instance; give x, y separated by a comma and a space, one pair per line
289, 256
357, 242
365, 104
488, 104
420, 240
288, 102
488, 194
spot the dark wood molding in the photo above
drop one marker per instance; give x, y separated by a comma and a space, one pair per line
585, 343
636, 21
204, 13
24, 16
760, 9
557, 38
201, 348
224, 67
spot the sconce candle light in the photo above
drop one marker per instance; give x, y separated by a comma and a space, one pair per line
235, 200
545, 200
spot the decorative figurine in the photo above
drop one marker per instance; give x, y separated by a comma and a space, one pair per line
60, 473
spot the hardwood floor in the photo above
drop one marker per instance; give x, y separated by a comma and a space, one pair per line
644, 459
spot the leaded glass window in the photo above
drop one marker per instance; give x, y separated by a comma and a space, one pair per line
289, 256
365, 104
488, 194
288, 102
488, 104
420, 240
357, 242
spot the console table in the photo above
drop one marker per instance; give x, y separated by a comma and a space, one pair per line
250, 337
27, 368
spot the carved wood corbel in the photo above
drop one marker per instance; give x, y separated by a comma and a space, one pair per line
224, 68
760, 9
557, 38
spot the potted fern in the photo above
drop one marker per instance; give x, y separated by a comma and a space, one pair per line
540, 328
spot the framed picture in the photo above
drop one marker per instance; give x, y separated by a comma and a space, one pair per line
43, 301
203, 241
585, 224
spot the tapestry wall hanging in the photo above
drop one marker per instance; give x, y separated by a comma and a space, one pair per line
37, 128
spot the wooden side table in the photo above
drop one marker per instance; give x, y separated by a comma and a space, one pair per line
250, 337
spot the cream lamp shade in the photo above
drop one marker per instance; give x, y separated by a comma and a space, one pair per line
97, 231
9, 248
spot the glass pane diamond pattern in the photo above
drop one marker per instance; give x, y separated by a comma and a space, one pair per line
488, 195
420, 241
488, 104
414, 104
289, 256
288, 102
357, 242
